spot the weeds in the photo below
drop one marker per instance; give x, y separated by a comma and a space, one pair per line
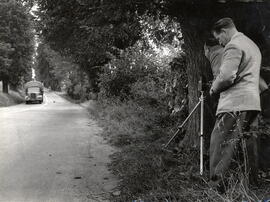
148, 173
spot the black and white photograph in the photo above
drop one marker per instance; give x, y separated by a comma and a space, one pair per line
134, 100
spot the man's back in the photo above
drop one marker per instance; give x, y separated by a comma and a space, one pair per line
243, 94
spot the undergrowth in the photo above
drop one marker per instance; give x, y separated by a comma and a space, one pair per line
149, 173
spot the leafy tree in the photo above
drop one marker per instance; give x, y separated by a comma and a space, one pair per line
5, 50
16, 35
44, 67
160, 42
60, 73
92, 31
196, 18
52, 69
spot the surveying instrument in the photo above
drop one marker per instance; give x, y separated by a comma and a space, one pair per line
180, 128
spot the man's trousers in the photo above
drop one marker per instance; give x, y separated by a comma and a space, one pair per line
233, 133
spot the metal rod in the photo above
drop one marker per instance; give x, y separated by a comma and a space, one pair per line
201, 134
182, 125
190, 114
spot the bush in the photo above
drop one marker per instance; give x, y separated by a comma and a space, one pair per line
76, 85
151, 90
119, 76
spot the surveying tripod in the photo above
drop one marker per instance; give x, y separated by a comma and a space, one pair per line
180, 128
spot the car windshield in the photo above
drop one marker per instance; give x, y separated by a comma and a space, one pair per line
34, 90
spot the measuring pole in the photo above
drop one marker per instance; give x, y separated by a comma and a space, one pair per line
201, 126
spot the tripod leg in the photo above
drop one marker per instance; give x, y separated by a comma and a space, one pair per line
183, 124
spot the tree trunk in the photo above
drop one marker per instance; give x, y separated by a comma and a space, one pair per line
195, 19
197, 67
5, 86
191, 137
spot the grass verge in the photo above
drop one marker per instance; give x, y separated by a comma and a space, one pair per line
10, 99
146, 171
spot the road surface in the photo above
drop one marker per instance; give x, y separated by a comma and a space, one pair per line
52, 152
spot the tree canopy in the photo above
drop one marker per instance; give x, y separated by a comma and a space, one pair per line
94, 32
16, 38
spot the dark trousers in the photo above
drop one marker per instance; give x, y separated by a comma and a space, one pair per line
231, 131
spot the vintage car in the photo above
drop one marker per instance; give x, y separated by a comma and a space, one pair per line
34, 92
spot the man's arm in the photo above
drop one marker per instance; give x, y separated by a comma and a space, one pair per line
262, 85
228, 70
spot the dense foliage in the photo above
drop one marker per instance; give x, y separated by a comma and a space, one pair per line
16, 39
88, 31
94, 33
145, 70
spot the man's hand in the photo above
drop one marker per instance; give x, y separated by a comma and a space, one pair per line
262, 85
211, 92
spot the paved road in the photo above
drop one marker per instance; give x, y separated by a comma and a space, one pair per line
52, 152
